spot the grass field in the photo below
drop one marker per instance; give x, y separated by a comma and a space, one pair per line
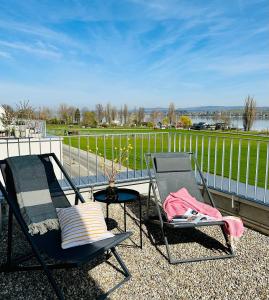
225, 145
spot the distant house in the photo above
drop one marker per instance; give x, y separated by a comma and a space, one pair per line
2, 111
21, 128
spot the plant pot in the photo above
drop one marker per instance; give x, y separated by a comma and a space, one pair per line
112, 192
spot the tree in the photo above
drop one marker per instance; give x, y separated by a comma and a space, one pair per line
125, 113
185, 121
225, 117
132, 117
99, 111
154, 117
88, 118
114, 113
165, 121
25, 110
77, 116
140, 115
7, 116
63, 112
150, 124
171, 113
121, 115
71, 114
216, 116
160, 115
249, 113
44, 113
108, 113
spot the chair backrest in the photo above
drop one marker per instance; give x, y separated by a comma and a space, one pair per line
57, 195
173, 171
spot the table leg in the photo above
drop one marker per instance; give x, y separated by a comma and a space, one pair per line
107, 211
140, 220
124, 208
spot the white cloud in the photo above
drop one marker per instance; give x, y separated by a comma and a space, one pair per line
38, 48
4, 54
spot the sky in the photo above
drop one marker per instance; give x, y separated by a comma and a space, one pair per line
143, 53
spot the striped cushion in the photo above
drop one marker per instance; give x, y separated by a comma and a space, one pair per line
82, 224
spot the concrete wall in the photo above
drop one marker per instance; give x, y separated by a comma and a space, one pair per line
254, 215
24, 146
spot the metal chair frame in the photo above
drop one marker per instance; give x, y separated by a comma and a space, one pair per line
163, 222
13, 264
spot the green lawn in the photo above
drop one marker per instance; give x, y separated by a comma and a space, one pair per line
148, 140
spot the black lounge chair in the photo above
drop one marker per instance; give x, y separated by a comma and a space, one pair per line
169, 172
48, 245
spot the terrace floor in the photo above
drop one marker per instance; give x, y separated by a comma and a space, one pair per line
244, 277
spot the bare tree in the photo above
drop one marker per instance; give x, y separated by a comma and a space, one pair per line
99, 111
154, 116
140, 115
63, 112
225, 117
44, 113
160, 116
120, 113
216, 116
71, 114
249, 113
171, 113
108, 113
114, 113
25, 110
125, 113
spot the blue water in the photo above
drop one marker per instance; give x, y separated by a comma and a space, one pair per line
237, 123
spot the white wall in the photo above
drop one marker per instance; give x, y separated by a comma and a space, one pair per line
24, 146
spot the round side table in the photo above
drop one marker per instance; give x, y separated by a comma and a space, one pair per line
124, 196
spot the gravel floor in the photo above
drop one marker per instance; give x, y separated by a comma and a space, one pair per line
244, 277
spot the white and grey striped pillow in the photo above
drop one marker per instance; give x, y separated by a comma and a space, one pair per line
82, 224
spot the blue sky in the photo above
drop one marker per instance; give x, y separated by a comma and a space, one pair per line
144, 53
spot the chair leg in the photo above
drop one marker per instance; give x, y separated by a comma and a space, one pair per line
36, 253
148, 200
229, 246
52, 281
194, 259
173, 260
127, 274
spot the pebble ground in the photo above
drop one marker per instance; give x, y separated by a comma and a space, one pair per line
244, 277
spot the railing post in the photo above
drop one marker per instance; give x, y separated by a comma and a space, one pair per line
169, 141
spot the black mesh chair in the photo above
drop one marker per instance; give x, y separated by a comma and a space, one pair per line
168, 172
48, 245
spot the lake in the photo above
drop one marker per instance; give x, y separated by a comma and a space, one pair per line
259, 124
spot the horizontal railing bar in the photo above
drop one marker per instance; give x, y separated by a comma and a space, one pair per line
223, 155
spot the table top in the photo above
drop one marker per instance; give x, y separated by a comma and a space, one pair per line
124, 195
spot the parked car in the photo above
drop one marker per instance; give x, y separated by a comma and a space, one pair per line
210, 126
221, 126
199, 126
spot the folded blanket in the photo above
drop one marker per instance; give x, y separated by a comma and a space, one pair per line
32, 191
178, 203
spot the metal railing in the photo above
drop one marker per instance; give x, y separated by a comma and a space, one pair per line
236, 165
84, 156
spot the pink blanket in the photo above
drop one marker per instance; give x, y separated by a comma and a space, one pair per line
179, 202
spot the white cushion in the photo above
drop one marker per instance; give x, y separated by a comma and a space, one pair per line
82, 224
